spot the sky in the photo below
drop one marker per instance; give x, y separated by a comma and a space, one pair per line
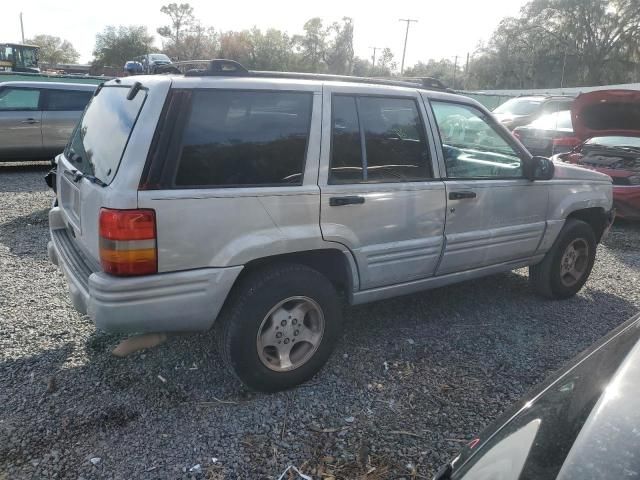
444, 29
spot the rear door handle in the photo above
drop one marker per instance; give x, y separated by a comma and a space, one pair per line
340, 201
30, 121
461, 195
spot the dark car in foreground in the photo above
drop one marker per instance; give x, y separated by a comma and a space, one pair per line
548, 135
583, 423
524, 110
608, 123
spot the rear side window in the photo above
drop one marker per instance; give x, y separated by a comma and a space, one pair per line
67, 100
245, 138
19, 99
377, 140
100, 138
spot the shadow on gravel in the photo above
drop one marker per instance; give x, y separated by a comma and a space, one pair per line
27, 235
104, 395
500, 311
23, 177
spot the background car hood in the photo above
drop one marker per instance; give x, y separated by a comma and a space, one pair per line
606, 112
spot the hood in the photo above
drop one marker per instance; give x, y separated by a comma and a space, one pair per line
606, 112
566, 171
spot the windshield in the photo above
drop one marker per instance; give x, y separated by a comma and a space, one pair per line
159, 57
28, 57
99, 140
615, 141
519, 106
554, 121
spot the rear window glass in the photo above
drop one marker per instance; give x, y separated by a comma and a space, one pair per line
554, 121
519, 106
99, 140
245, 138
68, 100
391, 133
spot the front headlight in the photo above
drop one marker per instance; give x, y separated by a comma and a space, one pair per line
634, 179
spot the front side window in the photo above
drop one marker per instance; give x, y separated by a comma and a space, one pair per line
19, 99
67, 100
377, 140
245, 138
472, 147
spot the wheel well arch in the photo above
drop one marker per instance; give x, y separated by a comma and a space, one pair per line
595, 217
333, 263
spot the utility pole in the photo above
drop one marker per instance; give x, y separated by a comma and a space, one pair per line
466, 73
21, 27
455, 67
375, 49
406, 35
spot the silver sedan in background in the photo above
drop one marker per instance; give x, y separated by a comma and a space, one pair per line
37, 118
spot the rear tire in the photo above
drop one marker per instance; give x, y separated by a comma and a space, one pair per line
567, 266
267, 313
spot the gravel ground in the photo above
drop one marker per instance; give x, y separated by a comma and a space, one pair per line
411, 380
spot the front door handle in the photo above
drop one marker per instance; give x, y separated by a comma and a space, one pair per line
340, 201
461, 195
30, 121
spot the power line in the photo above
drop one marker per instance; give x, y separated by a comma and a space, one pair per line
406, 36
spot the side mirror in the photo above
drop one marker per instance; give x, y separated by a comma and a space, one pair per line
538, 168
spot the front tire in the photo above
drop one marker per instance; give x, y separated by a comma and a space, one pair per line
280, 326
567, 266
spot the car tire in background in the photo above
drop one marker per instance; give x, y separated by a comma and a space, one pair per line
279, 326
567, 265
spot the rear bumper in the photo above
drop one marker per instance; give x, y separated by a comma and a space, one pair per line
165, 302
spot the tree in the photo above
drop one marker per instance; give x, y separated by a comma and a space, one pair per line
271, 50
236, 46
181, 18
116, 45
562, 42
54, 50
441, 69
339, 50
312, 46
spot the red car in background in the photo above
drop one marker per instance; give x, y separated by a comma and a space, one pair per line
608, 123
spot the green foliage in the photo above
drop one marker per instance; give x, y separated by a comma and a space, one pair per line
443, 70
568, 42
116, 45
54, 50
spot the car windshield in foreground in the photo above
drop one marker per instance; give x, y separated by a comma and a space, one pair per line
554, 121
100, 138
519, 106
614, 141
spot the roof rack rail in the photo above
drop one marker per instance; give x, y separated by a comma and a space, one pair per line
224, 67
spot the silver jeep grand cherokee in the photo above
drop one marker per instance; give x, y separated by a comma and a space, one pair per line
263, 201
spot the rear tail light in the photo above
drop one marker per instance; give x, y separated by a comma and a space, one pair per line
128, 242
566, 142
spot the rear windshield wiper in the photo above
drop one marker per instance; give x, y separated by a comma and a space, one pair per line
77, 175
